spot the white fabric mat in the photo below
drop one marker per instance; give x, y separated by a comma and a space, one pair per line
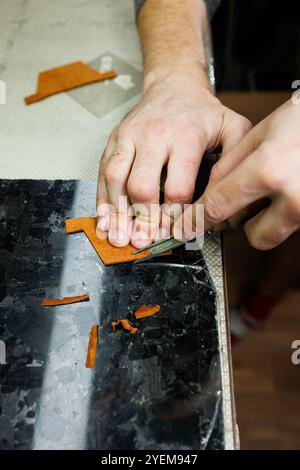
59, 138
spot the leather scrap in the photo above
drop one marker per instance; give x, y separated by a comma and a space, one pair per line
64, 301
92, 347
66, 78
108, 253
125, 324
146, 311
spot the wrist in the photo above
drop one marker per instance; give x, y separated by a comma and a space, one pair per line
180, 74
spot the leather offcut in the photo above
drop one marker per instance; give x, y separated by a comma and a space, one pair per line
66, 78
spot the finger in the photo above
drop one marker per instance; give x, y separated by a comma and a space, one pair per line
102, 202
233, 193
240, 218
272, 226
235, 127
116, 174
231, 156
183, 167
235, 150
143, 189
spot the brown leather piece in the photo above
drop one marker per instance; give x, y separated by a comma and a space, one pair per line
66, 78
92, 347
125, 324
64, 301
145, 311
109, 254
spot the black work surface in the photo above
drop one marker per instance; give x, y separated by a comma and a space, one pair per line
157, 389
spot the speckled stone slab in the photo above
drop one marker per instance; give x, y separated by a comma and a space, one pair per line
158, 389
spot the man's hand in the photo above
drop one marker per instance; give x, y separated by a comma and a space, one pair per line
265, 164
177, 120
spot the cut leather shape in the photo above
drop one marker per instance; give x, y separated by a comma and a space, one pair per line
64, 301
66, 78
109, 254
145, 311
92, 347
125, 324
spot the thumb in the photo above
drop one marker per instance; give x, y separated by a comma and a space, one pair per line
235, 127
232, 155
237, 190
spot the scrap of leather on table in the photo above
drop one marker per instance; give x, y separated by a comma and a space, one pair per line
125, 324
64, 301
92, 347
146, 311
109, 254
66, 78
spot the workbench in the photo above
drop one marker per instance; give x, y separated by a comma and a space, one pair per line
169, 387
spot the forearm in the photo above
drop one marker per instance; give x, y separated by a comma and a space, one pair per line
172, 35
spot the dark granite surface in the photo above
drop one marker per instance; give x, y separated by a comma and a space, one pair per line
158, 389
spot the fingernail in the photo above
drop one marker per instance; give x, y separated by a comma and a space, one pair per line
185, 236
190, 224
140, 239
118, 237
161, 234
178, 233
103, 224
164, 233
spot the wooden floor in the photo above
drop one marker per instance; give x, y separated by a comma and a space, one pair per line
267, 384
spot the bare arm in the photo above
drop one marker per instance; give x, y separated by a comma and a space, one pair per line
177, 120
172, 37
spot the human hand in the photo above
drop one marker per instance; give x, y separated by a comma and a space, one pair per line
264, 164
177, 120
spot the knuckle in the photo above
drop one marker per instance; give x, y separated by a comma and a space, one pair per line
104, 158
263, 176
264, 242
213, 212
123, 131
147, 162
102, 165
112, 169
112, 177
114, 133
244, 124
181, 194
112, 173
154, 128
293, 207
142, 189
119, 155
192, 135
237, 121
269, 173
257, 242
296, 212
271, 178
216, 172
